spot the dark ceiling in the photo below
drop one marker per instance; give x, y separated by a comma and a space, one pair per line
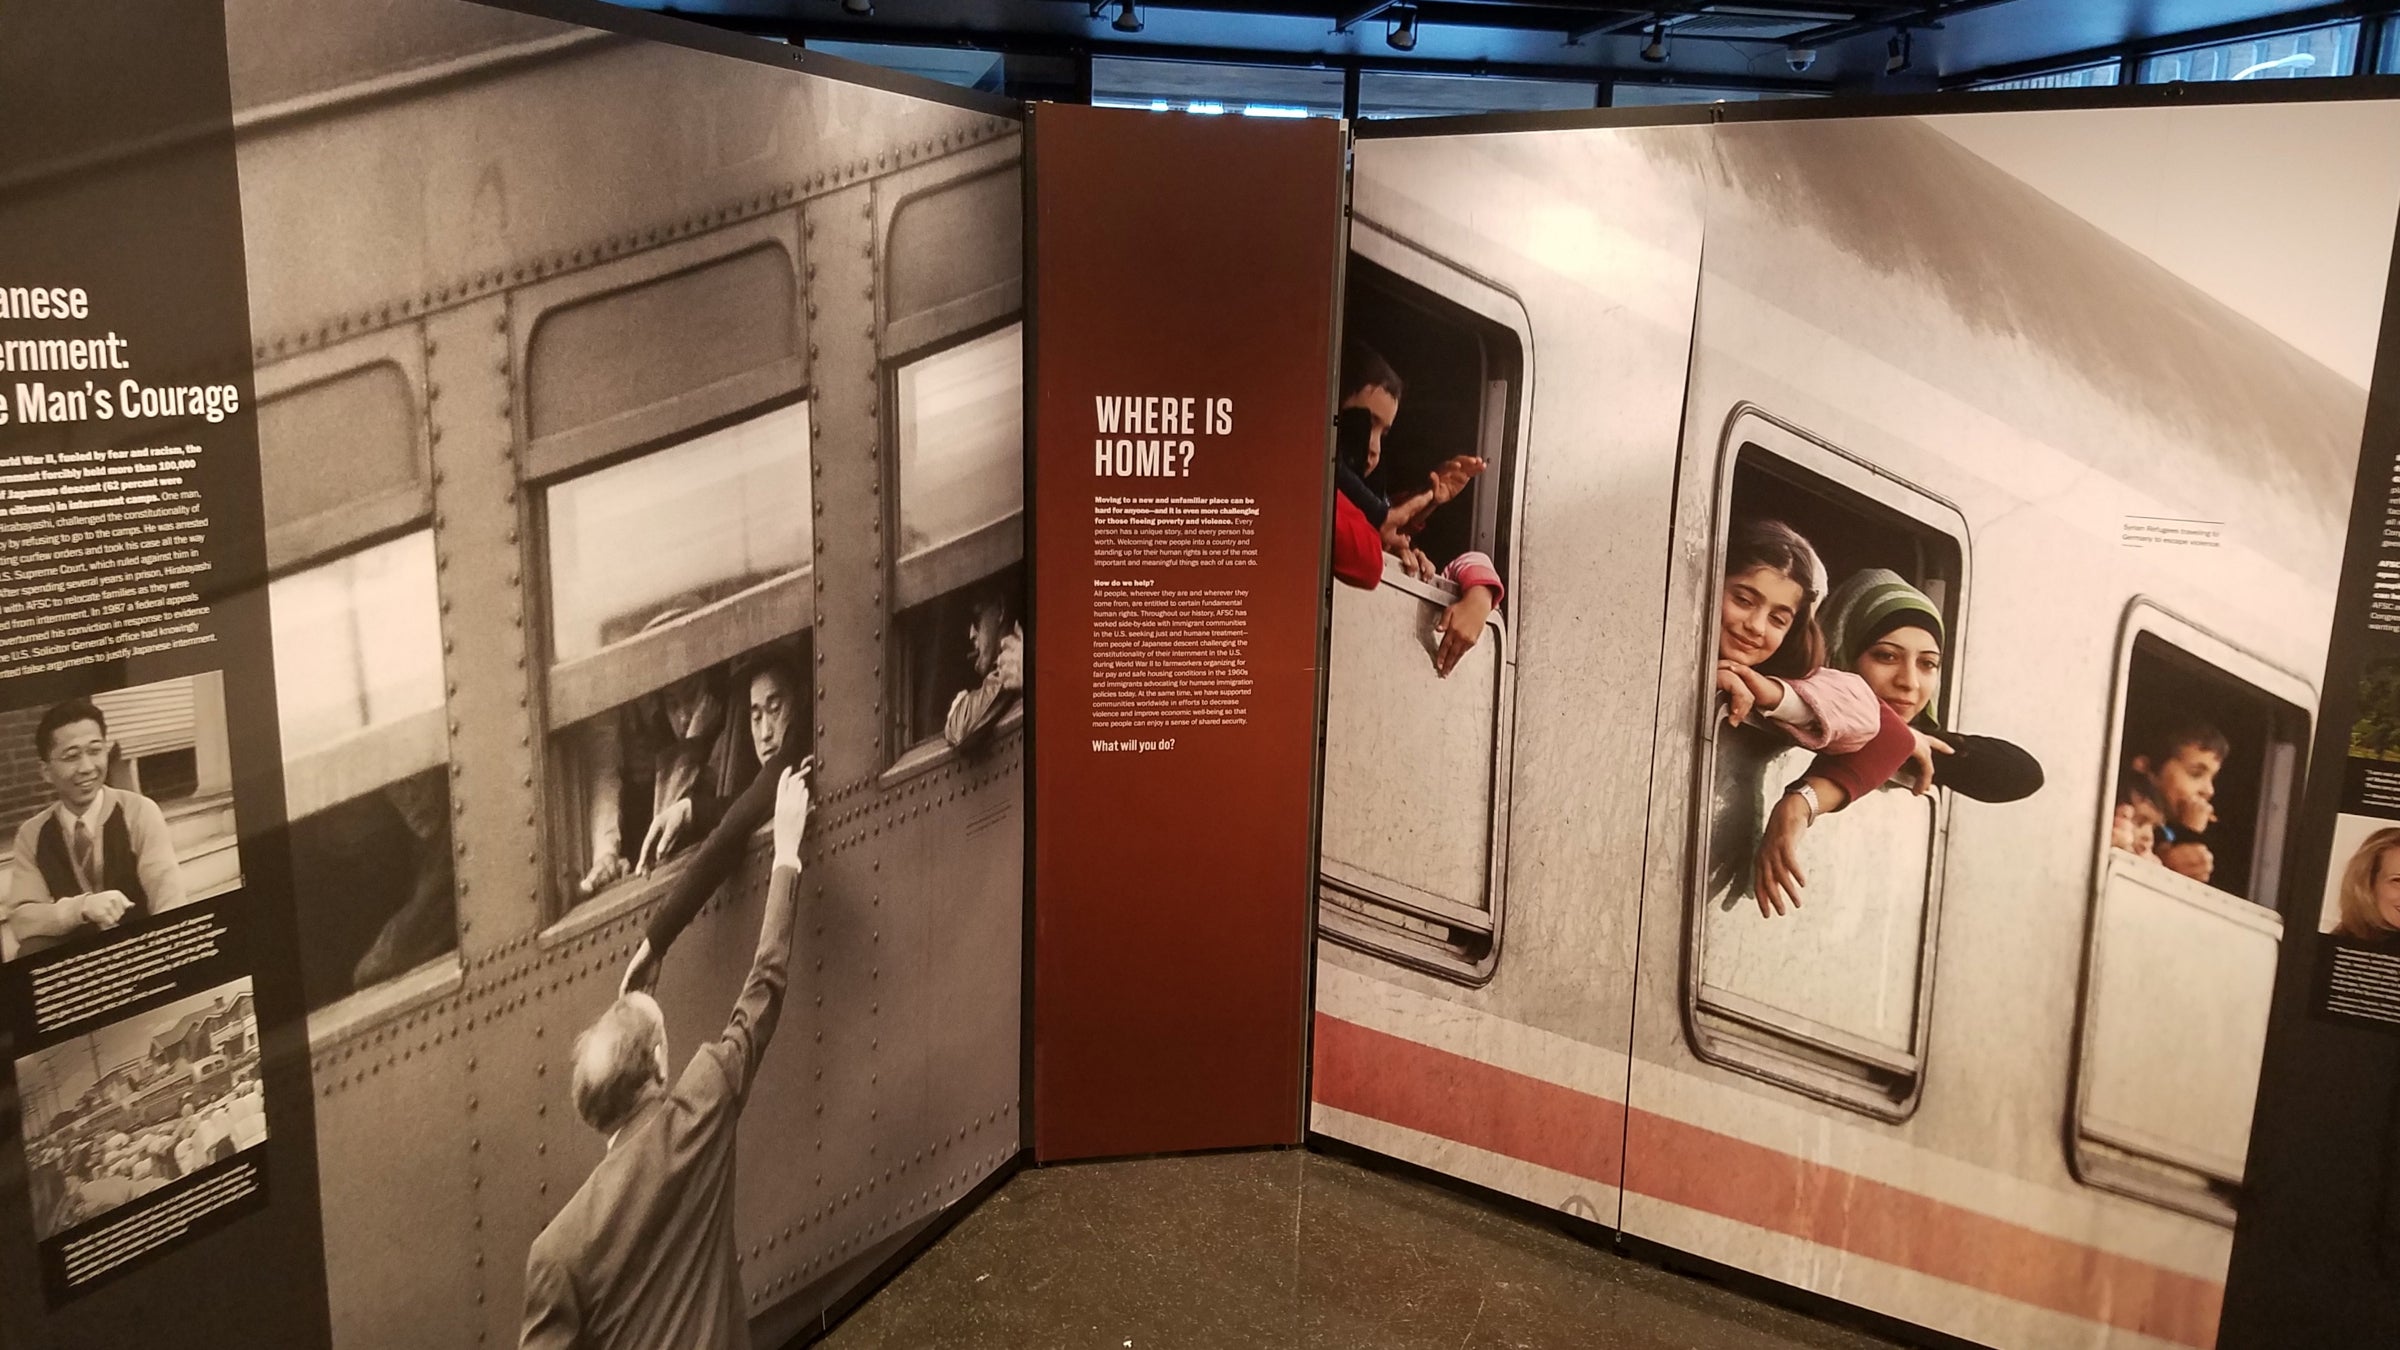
1746, 42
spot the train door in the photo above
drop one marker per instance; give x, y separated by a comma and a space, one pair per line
2181, 944
1832, 1000
1403, 745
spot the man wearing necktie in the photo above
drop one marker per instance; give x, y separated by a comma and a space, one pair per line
99, 858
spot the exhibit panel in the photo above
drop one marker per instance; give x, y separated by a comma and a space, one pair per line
2047, 469
1187, 285
637, 426
1477, 930
639, 389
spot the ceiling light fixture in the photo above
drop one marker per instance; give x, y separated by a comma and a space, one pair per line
1400, 30
1896, 52
1128, 20
1656, 52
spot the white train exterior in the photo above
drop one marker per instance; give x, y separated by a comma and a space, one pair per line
1993, 1078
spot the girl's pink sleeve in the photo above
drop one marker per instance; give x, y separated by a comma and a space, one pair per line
1844, 713
1475, 569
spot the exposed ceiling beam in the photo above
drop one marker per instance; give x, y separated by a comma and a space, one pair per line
1360, 14
1101, 44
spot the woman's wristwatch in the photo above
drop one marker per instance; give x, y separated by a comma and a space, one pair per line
1807, 794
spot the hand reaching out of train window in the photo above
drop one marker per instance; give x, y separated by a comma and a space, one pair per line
1461, 627
607, 870
664, 835
1010, 665
1397, 530
791, 812
1745, 689
1920, 759
641, 973
2189, 857
1778, 873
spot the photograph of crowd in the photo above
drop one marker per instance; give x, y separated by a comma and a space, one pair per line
135, 1106
120, 808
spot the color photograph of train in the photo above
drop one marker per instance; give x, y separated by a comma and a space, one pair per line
632, 416
1818, 451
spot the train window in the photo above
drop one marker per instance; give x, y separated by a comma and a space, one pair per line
381, 482
358, 677
959, 587
2205, 754
642, 350
1830, 1000
677, 581
1413, 841
956, 256
610, 355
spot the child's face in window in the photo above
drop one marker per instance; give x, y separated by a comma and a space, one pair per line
1758, 607
1382, 405
2133, 827
2187, 786
1904, 668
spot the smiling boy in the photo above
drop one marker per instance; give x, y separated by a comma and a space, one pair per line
98, 857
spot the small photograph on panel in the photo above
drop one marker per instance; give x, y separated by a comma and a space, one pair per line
2375, 732
140, 1104
2362, 883
120, 806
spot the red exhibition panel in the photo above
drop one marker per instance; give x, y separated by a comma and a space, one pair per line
1184, 318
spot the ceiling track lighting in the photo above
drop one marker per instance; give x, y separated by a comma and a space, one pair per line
1896, 53
1656, 52
1128, 20
1400, 29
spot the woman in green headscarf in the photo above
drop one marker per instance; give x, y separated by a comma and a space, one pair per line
1890, 634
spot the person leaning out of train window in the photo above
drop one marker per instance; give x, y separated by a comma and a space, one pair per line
2133, 823
775, 707
99, 857
1771, 648
1366, 526
2370, 896
998, 649
682, 742
2181, 765
1890, 634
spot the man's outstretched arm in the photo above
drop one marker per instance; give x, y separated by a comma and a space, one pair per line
752, 1025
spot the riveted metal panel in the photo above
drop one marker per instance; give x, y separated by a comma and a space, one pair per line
389, 1107
478, 523
447, 1136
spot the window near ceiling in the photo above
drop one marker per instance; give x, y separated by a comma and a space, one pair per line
1385, 93
2101, 76
1627, 94
966, 68
1219, 88
2312, 52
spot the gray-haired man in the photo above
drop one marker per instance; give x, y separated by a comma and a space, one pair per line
642, 1256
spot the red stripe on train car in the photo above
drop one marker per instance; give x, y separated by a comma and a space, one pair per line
1384, 1077
1370, 1073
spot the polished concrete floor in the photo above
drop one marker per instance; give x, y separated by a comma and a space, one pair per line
1291, 1250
